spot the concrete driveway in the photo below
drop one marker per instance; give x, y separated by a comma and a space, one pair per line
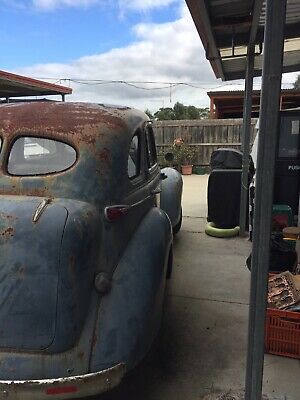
202, 346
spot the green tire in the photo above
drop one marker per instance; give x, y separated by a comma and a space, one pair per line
212, 230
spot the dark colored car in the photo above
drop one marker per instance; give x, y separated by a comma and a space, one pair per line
86, 246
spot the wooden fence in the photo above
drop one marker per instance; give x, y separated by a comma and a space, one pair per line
204, 136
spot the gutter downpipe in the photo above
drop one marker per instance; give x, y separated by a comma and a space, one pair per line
246, 138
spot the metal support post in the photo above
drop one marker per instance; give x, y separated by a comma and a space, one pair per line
268, 125
246, 137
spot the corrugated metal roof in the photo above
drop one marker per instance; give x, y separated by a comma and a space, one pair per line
295, 92
12, 85
226, 27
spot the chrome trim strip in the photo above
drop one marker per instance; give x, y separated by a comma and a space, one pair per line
86, 385
40, 209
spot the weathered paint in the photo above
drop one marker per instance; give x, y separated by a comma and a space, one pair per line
99, 132
55, 240
171, 194
137, 288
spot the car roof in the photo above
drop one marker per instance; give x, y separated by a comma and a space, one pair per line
101, 134
77, 121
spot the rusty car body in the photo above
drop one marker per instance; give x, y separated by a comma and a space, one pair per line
85, 246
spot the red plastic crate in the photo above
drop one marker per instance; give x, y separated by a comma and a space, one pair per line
283, 333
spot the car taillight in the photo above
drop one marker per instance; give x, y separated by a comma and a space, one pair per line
114, 212
54, 391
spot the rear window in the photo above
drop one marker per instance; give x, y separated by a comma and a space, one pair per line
38, 156
134, 157
151, 148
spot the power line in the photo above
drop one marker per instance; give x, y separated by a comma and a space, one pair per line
137, 84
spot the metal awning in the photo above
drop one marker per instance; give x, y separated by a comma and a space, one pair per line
227, 27
12, 85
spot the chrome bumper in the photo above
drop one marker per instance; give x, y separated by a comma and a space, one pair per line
63, 388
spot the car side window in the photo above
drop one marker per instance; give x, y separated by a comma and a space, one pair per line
38, 156
134, 158
151, 148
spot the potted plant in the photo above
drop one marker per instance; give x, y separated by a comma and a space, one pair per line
183, 154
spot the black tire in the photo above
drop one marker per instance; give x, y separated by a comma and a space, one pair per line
177, 227
170, 264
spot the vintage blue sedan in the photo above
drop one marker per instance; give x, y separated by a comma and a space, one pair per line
86, 220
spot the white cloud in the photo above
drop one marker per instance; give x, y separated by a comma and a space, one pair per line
168, 52
53, 4
136, 5
144, 4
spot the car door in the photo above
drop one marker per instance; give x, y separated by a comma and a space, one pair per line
137, 198
152, 167
131, 312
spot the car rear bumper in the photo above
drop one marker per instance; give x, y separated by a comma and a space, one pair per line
63, 388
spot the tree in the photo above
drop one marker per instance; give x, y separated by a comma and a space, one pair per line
149, 113
193, 112
164, 113
297, 83
204, 112
180, 111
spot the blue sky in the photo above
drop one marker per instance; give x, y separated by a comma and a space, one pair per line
127, 40
32, 35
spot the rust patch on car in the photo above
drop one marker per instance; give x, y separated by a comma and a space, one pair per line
89, 139
104, 155
8, 217
44, 192
44, 118
7, 233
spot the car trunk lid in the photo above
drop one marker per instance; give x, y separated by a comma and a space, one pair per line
29, 270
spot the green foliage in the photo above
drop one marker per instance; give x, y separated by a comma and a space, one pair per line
204, 113
193, 112
183, 153
164, 114
180, 111
297, 83
163, 163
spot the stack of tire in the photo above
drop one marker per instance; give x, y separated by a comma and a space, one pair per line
224, 191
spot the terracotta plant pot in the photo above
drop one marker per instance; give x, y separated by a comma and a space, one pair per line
186, 169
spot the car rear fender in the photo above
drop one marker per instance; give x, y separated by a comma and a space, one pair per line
129, 315
170, 200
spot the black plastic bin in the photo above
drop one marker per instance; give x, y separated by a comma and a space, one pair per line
224, 187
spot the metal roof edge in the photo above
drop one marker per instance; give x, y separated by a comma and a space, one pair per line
24, 80
198, 8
